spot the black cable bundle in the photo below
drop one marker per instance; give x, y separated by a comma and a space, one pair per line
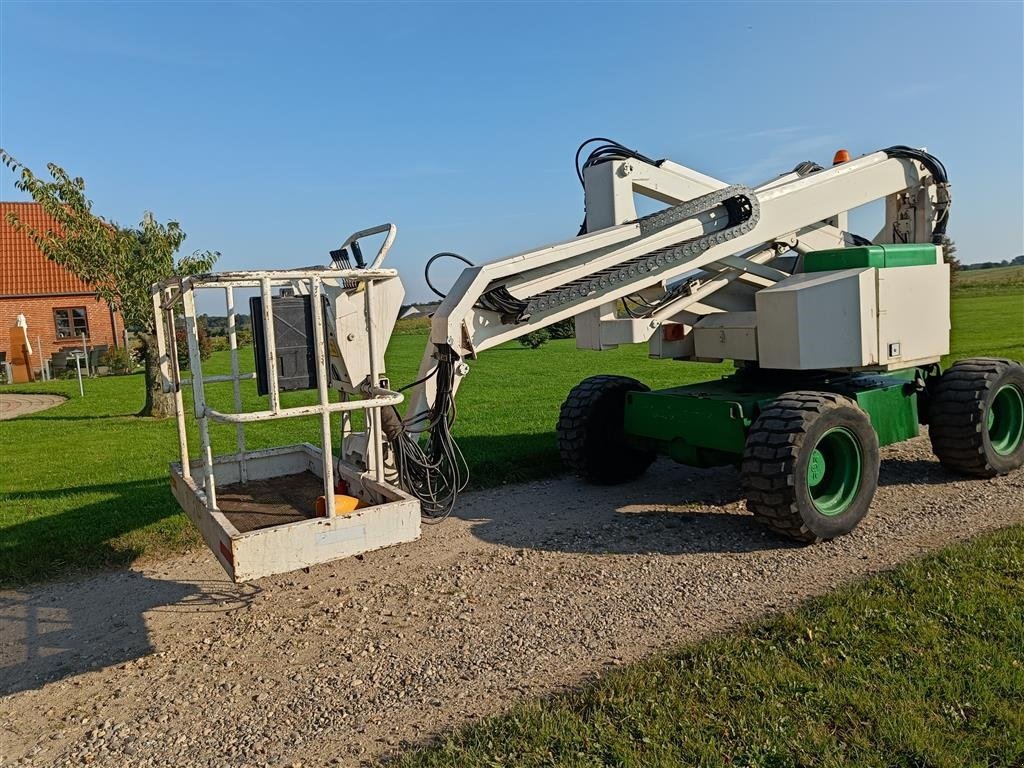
609, 150
434, 470
637, 306
497, 299
435, 257
500, 300
938, 171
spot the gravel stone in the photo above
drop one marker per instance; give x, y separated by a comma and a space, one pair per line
529, 590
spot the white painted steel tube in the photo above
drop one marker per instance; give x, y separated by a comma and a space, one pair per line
236, 384
327, 454
286, 276
391, 229
198, 394
270, 344
375, 420
222, 378
171, 383
384, 398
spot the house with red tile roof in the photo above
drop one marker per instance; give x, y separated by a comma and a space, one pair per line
60, 308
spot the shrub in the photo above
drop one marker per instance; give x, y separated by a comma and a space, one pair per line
565, 329
535, 339
219, 343
205, 346
118, 360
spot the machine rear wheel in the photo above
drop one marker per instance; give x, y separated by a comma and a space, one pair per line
590, 431
976, 417
810, 466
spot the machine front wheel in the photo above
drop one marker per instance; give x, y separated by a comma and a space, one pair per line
810, 466
591, 438
976, 417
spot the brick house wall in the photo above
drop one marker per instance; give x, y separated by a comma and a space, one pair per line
42, 329
34, 286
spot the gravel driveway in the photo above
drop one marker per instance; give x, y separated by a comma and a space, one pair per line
531, 589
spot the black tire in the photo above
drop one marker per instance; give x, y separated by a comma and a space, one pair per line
962, 402
590, 432
777, 458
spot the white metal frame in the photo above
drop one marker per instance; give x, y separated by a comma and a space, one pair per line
393, 515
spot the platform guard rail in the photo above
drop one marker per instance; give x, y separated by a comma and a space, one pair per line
174, 306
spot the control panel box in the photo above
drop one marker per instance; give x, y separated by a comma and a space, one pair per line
726, 336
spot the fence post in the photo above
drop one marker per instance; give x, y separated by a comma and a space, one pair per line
42, 363
78, 367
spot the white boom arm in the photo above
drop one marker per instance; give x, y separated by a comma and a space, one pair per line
722, 238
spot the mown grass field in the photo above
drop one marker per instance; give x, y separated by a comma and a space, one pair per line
989, 281
84, 485
922, 666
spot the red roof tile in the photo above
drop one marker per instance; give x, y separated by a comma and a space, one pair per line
23, 268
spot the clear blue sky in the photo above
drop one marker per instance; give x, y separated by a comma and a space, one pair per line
270, 131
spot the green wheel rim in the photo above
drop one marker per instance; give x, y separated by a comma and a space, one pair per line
834, 471
1006, 420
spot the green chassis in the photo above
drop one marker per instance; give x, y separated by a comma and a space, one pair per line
706, 424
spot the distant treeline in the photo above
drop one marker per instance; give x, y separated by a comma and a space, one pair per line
218, 326
1017, 262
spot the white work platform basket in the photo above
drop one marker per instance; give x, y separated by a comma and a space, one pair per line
257, 509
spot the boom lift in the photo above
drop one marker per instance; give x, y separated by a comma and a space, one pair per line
836, 341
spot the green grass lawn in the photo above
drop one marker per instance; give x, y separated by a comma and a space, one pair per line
922, 666
987, 326
84, 485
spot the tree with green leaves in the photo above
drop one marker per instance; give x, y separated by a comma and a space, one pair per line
949, 256
121, 263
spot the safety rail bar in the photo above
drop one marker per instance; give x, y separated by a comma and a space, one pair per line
252, 279
383, 399
166, 297
391, 229
187, 382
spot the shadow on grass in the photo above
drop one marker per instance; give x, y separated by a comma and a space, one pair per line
47, 545
41, 416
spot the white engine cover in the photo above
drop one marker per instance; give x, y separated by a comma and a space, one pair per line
887, 318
